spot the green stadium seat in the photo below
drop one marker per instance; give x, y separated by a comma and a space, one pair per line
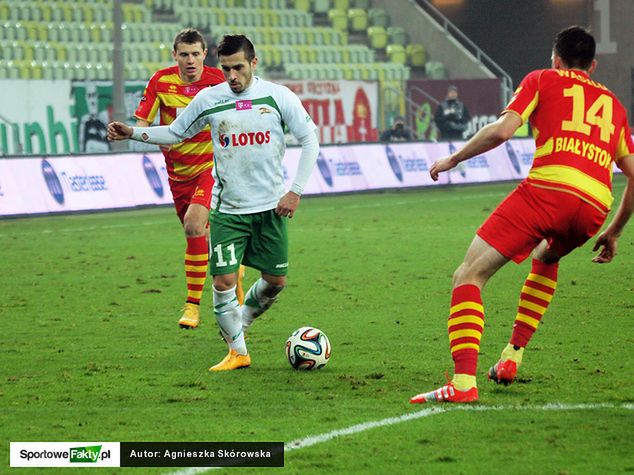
24, 12
341, 5
321, 6
396, 54
378, 17
357, 20
13, 70
397, 35
435, 70
338, 19
377, 36
415, 55
364, 4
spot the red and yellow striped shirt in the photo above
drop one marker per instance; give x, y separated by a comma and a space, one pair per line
580, 129
167, 93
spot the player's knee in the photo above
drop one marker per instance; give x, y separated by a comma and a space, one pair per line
274, 285
193, 228
468, 274
224, 282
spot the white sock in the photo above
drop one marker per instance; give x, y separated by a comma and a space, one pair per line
227, 312
258, 300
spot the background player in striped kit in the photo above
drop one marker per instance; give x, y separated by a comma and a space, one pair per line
190, 162
250, 202
582, 129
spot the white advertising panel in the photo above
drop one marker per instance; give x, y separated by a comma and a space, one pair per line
79, 183
83, 183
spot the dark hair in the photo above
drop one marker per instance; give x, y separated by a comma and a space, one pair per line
232, 44
190, 36
575, 46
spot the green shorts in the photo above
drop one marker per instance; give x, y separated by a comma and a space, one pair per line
258, 240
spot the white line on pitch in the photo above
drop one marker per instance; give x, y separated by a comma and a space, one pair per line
427, 412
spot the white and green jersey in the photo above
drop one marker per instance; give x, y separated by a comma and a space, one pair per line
247, 131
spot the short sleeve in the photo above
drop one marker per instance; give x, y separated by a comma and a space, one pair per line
149, 104
526, 96
193, 118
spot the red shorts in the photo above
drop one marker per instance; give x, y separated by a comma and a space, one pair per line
530, 214
197, 190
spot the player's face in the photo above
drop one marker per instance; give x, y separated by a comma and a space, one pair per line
238, 71
190, 58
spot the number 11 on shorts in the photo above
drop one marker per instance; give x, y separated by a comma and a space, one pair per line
232, 253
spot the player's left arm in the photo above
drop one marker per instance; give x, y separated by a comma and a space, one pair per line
310, 149
607, 241
487, 138
304, 129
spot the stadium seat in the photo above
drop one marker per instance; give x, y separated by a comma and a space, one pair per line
357, 20
321, 6
396, 54
397, 35
435, 70
377, 36
378, 17
415, 55
343, 5
302, 5
338, 19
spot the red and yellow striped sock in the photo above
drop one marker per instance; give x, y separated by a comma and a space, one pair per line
466, 324
536, 294
196, 262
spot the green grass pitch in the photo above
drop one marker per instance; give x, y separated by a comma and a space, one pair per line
91, 350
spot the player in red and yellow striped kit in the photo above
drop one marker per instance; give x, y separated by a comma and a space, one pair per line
580, 130
190, 162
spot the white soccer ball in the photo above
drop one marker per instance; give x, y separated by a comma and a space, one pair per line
308, 348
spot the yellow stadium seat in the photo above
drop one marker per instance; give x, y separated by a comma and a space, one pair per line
415, 55
377, 35
357, 20
338, 19
302, 5
396, 54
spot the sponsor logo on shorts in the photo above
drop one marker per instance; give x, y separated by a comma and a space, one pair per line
52, 182
199, 192
282, 266
244, 139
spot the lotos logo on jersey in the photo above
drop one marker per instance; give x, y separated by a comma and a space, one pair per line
245, 138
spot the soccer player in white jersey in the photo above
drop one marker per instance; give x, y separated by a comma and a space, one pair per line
249, 201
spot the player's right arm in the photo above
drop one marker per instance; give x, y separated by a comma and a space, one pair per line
191, 121
487, 138
608, 238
